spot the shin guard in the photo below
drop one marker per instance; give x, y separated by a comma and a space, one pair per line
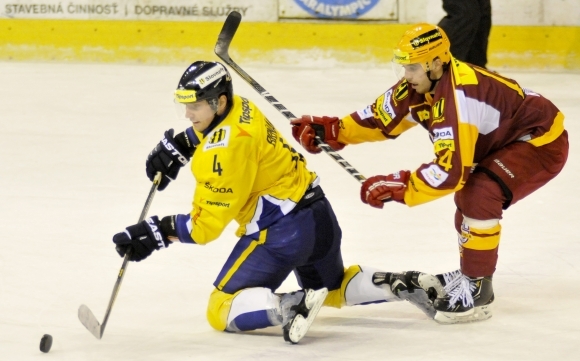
478, 246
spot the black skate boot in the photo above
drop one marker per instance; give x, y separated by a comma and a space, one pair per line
420, 289
466, 299
298, 310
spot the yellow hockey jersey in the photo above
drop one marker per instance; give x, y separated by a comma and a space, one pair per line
244, 171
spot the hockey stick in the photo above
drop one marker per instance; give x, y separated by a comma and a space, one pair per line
86, 316
221, 49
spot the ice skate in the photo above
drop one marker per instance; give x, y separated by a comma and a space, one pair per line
466, 300
420, 289
299, 309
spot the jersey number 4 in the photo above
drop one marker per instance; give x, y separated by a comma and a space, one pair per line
217, 167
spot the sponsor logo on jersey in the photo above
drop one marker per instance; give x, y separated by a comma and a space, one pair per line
337, 8
195, 216
271, 133
434, 175
217, 189
365, 113
217, 204
209, 76
438, 110
426, 38
401, 92
442, 133
423, 115
444, 144
245, 116
218, 138
242, 132
385, 111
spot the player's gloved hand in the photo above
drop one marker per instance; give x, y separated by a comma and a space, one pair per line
384, 188
305, 129
167, 157
143, 238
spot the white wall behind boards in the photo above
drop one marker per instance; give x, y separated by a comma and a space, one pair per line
504, 12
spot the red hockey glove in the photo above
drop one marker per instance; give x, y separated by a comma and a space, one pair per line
305, 130
384, 188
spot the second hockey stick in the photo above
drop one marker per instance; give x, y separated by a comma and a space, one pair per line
222, 51
86, 316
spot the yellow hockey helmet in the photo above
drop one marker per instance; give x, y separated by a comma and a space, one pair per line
421, 44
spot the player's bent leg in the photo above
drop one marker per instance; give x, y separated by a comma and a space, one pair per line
469, 291
357, 288
255, 308
248, 309
419, 288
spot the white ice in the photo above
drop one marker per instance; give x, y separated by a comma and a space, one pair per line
74, 138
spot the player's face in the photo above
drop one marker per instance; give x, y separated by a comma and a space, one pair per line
417, 78
200, 114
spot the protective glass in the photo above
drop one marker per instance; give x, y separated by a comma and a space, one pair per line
406, 70
184, 110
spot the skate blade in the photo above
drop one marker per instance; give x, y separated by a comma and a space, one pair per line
480, 313
298, 327
420, 300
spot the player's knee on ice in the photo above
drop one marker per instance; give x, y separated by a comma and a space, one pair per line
248, 309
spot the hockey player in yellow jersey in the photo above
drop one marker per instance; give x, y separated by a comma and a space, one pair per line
247, 172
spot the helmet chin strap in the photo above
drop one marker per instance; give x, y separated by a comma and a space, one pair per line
213, 104
433, 81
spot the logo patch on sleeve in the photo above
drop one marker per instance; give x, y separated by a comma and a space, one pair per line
385, 111
218, 138
401, 92
434, 175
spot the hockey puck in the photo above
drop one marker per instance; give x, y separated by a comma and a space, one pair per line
45, 343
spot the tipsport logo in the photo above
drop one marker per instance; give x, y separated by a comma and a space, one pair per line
345, 9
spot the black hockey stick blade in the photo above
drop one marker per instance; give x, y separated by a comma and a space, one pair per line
227, 34
89, 320
221, 49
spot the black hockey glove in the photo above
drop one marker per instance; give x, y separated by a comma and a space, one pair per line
143, 238
168, 157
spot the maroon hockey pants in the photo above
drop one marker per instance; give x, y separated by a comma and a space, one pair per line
502, 179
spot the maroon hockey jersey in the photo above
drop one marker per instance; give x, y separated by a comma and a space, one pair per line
472, 113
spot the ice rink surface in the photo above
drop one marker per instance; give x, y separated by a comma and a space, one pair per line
74, 138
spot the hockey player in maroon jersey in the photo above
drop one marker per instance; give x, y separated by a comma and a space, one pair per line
494, 143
